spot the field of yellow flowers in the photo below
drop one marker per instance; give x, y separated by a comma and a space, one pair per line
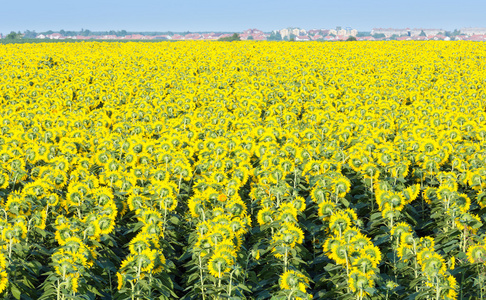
249, 170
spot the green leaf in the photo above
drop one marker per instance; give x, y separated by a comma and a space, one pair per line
15, 291
93, 289
244, 287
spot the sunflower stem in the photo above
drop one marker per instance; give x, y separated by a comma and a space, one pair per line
286, 259
437, 295
372, 193
202, 278
58, 290
230, 283
480, 279
219, 275
290, 295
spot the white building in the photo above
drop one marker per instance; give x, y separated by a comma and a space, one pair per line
295, 31
473, 31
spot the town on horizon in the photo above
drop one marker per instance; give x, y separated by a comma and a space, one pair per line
290, 33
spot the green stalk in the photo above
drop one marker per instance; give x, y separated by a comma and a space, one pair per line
202, 279
480, 279
230, 283
437, 294
286, 259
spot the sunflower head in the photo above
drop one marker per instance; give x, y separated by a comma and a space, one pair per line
476, 254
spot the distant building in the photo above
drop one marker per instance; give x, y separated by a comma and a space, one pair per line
285, 33
474, 31
302, 38
428, 32
253, 31
54, 36
192, 36
388, 32
332, 31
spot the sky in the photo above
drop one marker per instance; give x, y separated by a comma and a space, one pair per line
236, 16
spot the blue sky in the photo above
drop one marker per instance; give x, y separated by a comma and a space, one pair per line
227, 15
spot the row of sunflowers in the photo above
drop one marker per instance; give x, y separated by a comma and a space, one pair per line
250, 170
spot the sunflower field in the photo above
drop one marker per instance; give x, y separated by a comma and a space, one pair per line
249, 170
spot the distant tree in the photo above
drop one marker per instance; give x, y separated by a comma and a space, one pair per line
456, 32
292, 37
275, 36
422, 33
14, 35
30, 34
363, 33
250, 38
351, 39
233, 38
62, 32
378, 35
85, 32
394, 37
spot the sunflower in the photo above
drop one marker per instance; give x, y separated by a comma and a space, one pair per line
369, 170
291, 280
396, 201
350, 233
341, 186
196, 207
236, 206
411, 193
476, 254
427, 242
3, 280
326, 209
339, 222
4, 179
219, 265
359, 282
238, 226
400, 228
404, 251
433, 265
299, 203
372, 251
340, 254
365, 264
143, 241
220, 232
287, 212
451, 287
360, 241
266, 216
136, 202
